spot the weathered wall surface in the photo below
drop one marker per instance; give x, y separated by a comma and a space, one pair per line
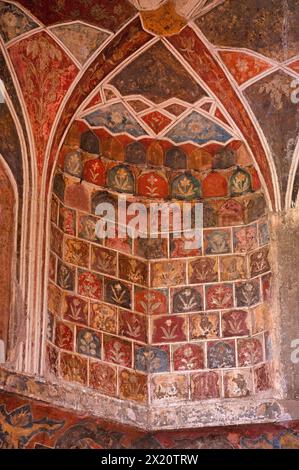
285, 233
32, 425
211, 118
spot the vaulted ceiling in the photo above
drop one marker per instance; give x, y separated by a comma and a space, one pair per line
191, 72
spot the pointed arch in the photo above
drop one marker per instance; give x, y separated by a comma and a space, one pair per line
195, 52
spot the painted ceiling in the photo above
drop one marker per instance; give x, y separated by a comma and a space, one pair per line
188, 71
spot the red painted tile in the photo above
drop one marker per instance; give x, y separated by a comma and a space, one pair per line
90, 285
235, 323
151, 301
64, 336
188, 357
250, 351
219, 296
205, 385
103, 378
75, 309
73, 368
169, 329
117, 351
133, 386
133, 326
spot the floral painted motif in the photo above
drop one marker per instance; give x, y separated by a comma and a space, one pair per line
80, 39
117, 119
103, 378
169, 330
65, 276
166, 273
103, 260
188, 357
87, 227
245, 239
199, 57
73, 368
73, 163
219, 296
117, 293
259, 263
88, 343
198, 129
179, 245
95, 172
152, 302
151, 248
235, 323
117, 351
133, 270
67, 221
132, 326
76, 252
120, 178
186, 187
103, 317
75, 309
133, 386
221, 354
233, 268
187, 300
248, 293
152, 360
64, 337
152, 185
205, 326
231, 212
156, 121
240, 182
203, 270
243, 66
89, 285
45, 73
14, 22
250, 351
217, 242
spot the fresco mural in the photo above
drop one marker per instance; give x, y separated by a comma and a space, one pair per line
166, 102
7, 221
27, 424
